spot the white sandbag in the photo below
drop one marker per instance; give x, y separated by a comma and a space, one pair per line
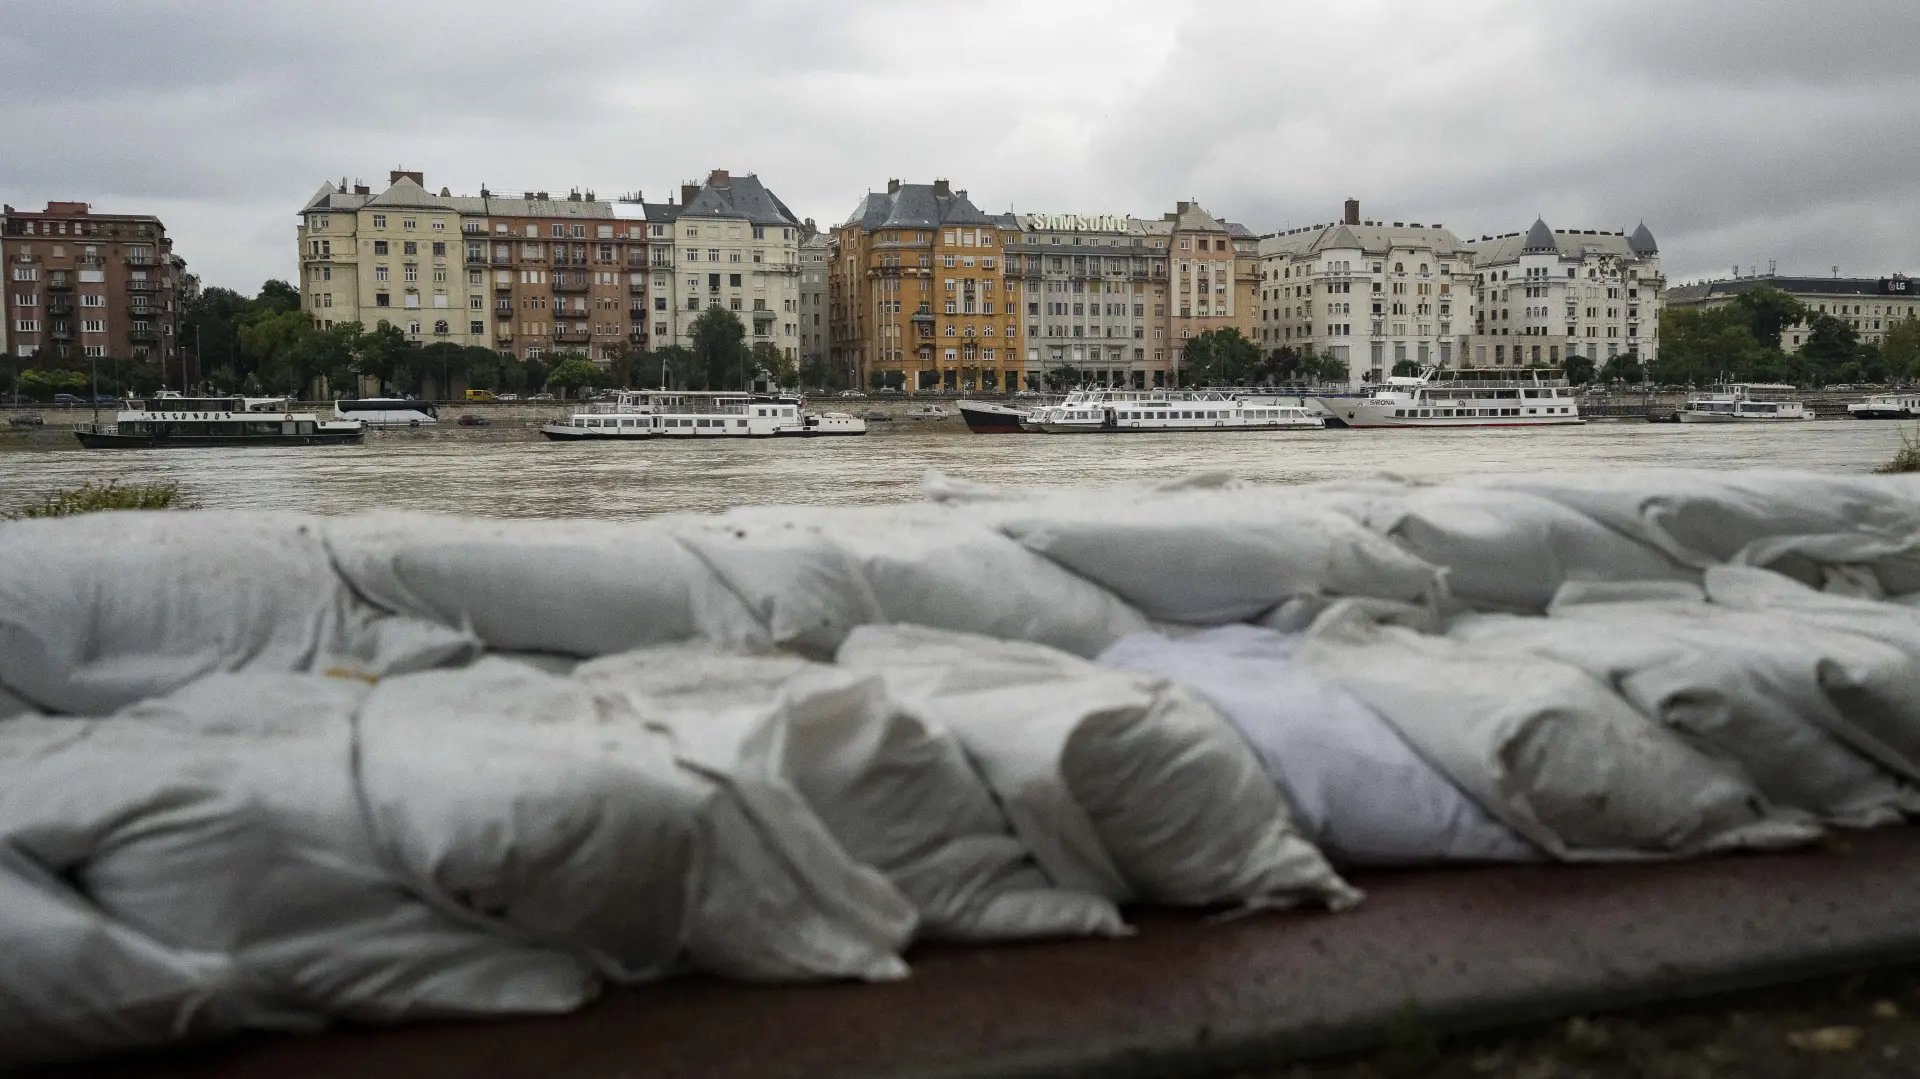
1122, 785
541, 807
1702, 518
104, 609
1207, 556
1357, 790
214, 872
1738, 697
812, 575
1503, 550
896, 793
1544, 747
580, 588
11, 706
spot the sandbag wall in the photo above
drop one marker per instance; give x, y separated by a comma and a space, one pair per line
269, 770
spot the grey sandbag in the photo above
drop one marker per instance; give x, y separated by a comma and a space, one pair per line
1543, 746
578, 588
104, 609
897, 792
200, 864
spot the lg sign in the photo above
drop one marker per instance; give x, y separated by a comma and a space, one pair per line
1896, 285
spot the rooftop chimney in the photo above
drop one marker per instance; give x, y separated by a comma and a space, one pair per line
719, 178
417, 177
1353, 212
542, 196
1183, 207
688, 192
940, 187
527, 196
893, 187
362, 189
962, 193
445, 193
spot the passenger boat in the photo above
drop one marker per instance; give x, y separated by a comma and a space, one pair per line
643, 414
387, 411
170, 420
1473, 397
927, 412
1887, 406
1738, 405
990, 417
1113, 411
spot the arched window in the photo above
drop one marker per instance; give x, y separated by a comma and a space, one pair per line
1399, 267
440, 327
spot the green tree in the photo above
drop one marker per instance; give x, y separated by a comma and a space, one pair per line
719, 349
1623, 368
1579, 370
1830, 342
1061, 377
1220, 358
1768, 311
40, 384
1900, 351
779, 366
1405, 369
273, 341
575, 373
386, 356
1703, 345
277, 297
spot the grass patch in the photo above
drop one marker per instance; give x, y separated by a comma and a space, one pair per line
1908, 459
111, 495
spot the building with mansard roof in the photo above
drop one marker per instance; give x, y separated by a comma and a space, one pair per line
1546, 295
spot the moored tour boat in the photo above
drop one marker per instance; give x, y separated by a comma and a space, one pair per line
387, 411
1887, 406
644, 414
1473, 397
1117, 411
990, 417
1739, 405
169, 420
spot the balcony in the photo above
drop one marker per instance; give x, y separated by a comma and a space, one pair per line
140, 286
477, 258
60, 311
502, 260
140, 260
61, 331
146, 312
570, 282
59, 283
144, 336
636, 289
568, 336
503, 312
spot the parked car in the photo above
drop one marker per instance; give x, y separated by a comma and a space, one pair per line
851, 393
540, 397
68, 400
471, 420
26, 419
482, 395
508, 397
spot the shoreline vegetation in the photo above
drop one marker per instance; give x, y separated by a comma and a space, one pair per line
112, 495
1908, 457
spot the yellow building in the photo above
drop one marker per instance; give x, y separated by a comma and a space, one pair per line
1214, 278
921, 295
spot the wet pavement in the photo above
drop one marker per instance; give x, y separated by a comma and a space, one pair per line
1430, 954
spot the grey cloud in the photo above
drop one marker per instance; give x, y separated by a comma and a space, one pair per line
1741, 130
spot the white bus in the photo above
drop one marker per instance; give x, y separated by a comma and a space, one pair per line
387, 411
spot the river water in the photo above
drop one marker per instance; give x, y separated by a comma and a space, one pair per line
512, 472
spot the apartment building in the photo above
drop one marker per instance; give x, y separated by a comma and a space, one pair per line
85, 284
1871, 305
922, 294
1096, 297
1548, 294
1370, 294
538, 274
816, 252
1213, 278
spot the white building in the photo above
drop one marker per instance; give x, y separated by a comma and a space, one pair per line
1096, 296
1369, 294
1550, 294
733, 244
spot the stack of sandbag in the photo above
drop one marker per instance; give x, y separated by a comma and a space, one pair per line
1503, 550
201, 863
102, 610
1357, 789
813, 575
1202, 553
1859, 533
896, 792
1750, 689
572, 588
1122, 785
1543, 746
547, 810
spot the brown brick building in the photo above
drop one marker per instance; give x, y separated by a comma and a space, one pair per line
80, 284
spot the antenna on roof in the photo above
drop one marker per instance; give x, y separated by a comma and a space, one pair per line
1836, 271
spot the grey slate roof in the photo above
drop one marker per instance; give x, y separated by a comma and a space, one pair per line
330, 197
1540, 237
1704, 291
541, 207
1368, 239
1192, 218
1641, 242
740, 197
1570, 244
917, 206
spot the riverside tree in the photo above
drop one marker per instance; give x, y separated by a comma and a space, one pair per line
719, 349
1220, 358
575, 373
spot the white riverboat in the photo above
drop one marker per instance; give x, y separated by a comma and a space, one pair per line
644, 414
1119, 411
1474, 397
387, 411
1887, 406
170, 421
1741, 405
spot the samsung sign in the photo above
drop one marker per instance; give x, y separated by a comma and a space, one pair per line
1076, 223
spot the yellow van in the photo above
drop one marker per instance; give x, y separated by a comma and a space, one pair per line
481, 395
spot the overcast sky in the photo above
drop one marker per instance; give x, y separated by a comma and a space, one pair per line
1739, 130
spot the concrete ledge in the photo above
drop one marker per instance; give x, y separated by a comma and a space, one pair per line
1452, 950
